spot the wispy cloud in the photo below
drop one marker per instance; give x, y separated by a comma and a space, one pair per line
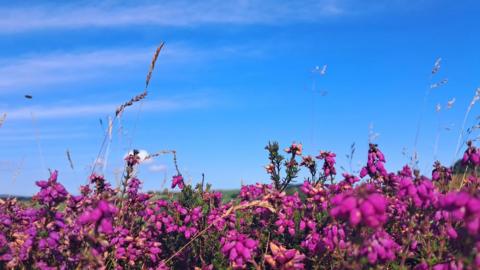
157, 168
64, 67
55, 68
88, 110
167, 13
55, 136
28, 133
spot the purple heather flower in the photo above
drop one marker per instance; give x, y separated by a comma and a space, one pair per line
350, 180
452, 265
178, 181
441, 173
471, 155
421, 266
369, 209
5, 253
51, 193
451, 232
334, 237
309, 162
460, 207
421, 192
214, 197
283, 223
133, 185
375, 163
316, 194
312, 242
253, 192
339, 225
133, 158
284, 259
238, 248
101, 185
380, 247
329, 162
44, 266
100, 216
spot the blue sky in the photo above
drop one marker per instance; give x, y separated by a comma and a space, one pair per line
232, 76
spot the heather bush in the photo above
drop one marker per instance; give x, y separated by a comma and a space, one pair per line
378, 219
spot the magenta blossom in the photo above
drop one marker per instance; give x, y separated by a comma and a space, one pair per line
461, 207
375, 164
329, 163
284, 259
368, 209
101, 216
471, 155
238, 248
441, 173
178, 181
51, 192
380, 247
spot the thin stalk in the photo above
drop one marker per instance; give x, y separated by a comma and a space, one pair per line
463, 177
313, 113
476, 97
107, 151
462, 129
420, 120
437, 138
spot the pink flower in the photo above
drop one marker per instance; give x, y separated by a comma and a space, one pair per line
295, 148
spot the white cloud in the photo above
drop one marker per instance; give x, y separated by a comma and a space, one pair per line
85, 110
167, 13
157, 168
54, 68
64, 67
16, 134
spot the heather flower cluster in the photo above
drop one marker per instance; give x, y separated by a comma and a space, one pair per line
329, 163
357, 207
460, 207
375, 163
51, 192
380, 247
374, 220
101, 216
284, 259
178, 181
238, 248
471, 156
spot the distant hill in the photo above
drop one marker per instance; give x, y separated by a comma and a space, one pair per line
20, 198
228, 194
